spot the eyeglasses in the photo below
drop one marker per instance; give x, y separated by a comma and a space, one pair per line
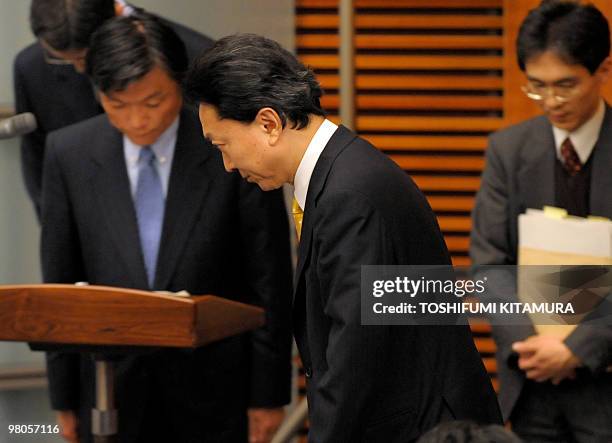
52, 60
71, 57
561, 94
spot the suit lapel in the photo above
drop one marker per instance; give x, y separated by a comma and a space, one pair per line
601, 176
537, 167
112, 190
189, 182
339, 140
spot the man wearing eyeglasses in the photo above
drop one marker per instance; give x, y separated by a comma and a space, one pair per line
552, 389
48, 75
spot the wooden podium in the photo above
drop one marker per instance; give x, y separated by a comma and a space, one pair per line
103, 320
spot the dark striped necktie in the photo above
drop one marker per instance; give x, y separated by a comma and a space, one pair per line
571, 161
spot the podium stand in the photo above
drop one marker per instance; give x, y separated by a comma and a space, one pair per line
107, 320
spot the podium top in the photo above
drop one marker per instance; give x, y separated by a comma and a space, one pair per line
102, 315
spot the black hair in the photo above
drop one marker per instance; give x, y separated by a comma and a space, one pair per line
467, 432
125, 49
578, 34
244, 73
68, 24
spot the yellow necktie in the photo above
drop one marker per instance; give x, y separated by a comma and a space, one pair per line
298, 216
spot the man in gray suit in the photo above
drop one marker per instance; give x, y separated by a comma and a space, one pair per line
552, 389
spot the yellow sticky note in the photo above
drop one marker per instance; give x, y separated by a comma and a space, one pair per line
554, 212
598, 218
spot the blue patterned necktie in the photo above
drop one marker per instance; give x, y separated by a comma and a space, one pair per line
150, 204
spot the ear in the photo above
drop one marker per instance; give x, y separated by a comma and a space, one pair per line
605, 69
269, 121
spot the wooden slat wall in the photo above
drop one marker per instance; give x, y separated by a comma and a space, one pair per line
429, 82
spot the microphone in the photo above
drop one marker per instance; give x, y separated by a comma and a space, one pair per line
17, 125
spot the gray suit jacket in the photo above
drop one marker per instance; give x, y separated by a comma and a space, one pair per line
520, 174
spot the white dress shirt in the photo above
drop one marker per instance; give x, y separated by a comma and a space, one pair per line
164, 153
583, 138
309, 160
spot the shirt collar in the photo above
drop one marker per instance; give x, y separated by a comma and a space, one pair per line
163, 147
583, 138
309, 160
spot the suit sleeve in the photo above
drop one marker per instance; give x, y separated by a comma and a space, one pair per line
32, 145
350, 233
490, 243
60, 256
592, 344
267, 259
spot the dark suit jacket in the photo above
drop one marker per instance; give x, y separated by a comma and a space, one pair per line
520, 174
220, 236
375, 383
59, 96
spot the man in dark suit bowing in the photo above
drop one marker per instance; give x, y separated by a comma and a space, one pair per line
260, 106
136, 198
49, 78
